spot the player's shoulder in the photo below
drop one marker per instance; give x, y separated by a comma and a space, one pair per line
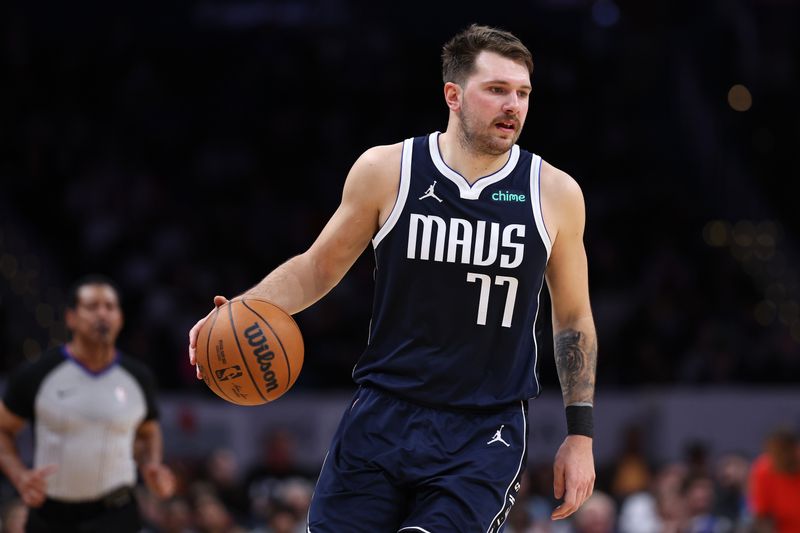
375, 173
562, 200
381, 157
559, 184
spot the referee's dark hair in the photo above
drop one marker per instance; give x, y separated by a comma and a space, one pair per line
89, 279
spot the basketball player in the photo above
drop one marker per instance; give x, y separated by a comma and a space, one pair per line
95, 419
466, 226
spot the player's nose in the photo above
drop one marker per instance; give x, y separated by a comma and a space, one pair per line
512, 103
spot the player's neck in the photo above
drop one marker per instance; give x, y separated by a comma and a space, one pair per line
471, 164
94, 356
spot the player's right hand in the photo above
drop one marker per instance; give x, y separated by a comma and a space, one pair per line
218, 301
32, 485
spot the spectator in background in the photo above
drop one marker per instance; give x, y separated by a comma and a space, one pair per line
774, 494
282, 519
660, 510
697, 460
279, 463
95, 419
597, 515
13, 516
211, 515
698, 494
632, 472
731, 480
176, 516
222, 472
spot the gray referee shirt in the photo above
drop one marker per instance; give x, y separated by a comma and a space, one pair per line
84, 421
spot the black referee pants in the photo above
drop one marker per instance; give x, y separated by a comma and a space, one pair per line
117, 512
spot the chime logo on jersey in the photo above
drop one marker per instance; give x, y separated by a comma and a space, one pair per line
508, 196
432, 238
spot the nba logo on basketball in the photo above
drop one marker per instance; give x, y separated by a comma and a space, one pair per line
262, 355
232, 372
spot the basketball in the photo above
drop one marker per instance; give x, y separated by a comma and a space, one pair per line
250, 351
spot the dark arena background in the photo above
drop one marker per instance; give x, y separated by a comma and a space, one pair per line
186, 148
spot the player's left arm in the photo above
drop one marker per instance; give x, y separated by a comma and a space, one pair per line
148, 452
575, 340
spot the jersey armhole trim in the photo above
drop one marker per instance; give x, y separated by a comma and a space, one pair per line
402, 193
536, 202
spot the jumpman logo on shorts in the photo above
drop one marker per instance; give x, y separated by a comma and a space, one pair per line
498, 437
429, 193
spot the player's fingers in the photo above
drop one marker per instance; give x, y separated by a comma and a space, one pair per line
194, 332
568, 506
193, 341
558, 480
587, 493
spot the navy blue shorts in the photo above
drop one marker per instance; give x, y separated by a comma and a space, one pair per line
395, 466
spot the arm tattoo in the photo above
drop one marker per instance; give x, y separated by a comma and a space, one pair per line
576, 362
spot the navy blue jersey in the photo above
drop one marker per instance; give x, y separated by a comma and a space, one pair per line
459, 270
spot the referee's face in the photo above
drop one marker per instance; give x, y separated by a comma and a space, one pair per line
97, 316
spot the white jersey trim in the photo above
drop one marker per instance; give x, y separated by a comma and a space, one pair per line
519, 467
533, 334
536, 202
413, 528
402, 193
465, 190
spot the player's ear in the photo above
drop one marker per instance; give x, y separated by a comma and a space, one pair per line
452, 95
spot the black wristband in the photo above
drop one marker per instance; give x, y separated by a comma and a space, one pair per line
580, 420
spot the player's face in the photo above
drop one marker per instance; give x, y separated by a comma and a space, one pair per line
97, 317
494, 104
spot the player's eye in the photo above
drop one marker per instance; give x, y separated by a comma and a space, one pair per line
496, 90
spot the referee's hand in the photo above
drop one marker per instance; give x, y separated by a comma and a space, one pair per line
159, 479
32, 485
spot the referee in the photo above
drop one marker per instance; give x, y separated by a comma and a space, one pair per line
95, 418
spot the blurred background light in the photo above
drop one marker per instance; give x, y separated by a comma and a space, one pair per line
739, 98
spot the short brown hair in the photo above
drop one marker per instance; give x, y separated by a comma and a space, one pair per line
459, 53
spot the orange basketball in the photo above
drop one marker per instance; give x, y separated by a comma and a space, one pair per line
250, 351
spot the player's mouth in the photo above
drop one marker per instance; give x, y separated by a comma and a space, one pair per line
507, 126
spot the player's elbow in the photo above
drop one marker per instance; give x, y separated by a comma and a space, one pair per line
324, 273
573, 318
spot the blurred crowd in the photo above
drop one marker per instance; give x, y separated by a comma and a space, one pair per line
186, 150
699, 493
187, 154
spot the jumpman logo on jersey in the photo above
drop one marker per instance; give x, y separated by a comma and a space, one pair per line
429, 193
498, 437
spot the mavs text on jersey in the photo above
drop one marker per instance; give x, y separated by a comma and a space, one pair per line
459, 271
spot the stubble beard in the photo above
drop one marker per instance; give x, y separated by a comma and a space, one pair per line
473, 139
